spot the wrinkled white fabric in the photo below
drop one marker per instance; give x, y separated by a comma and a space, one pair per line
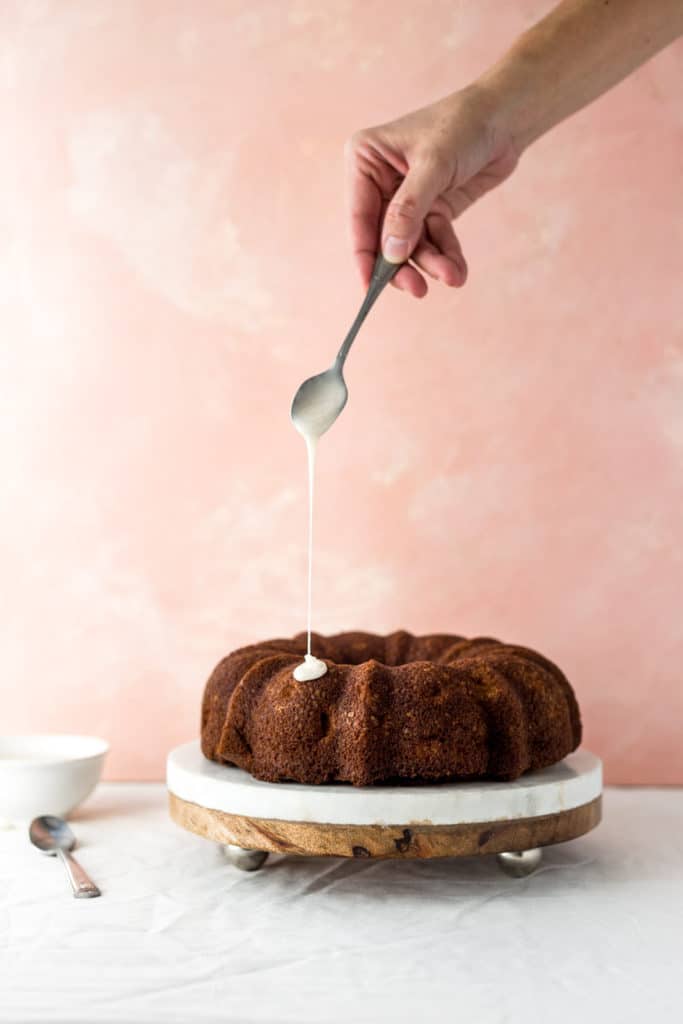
180, 935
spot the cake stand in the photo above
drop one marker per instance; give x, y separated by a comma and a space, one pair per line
511, 819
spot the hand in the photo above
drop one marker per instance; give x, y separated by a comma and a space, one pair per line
410, 178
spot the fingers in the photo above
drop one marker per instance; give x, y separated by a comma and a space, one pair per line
404, 220
439, 254
365, 261
407, 222
364, 225
438, 266
411, 280
365, 213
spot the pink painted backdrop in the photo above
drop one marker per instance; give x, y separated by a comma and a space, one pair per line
173, 262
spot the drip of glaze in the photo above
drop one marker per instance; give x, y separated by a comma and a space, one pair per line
310, 668
312, 418
311, 447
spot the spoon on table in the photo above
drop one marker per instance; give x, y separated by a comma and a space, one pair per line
320, 399
53, 836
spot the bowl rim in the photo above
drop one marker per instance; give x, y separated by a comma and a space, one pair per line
100, 747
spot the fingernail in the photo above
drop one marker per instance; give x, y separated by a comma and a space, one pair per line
396, 250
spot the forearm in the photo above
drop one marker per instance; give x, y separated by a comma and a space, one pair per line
579, 51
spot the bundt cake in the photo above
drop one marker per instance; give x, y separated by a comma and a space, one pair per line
395, 708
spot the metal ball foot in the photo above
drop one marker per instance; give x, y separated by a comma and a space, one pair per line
519, 864
245, 860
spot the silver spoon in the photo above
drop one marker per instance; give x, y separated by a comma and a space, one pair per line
320, 399
53, 836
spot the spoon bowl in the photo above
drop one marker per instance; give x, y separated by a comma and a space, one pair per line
52, 835
49, 834
319, 401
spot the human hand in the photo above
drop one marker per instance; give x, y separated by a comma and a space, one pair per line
410, 178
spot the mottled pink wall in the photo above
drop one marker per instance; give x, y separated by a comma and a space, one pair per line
173, 262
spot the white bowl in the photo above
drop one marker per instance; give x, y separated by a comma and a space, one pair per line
47, 774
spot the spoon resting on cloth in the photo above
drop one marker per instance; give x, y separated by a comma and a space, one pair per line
53, 836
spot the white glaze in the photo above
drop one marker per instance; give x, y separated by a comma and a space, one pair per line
313, 418
573, 782
311, 446
309, 669
324, 399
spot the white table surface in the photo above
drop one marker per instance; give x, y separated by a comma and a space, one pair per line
180, 935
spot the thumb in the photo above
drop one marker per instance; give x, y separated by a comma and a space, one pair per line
406, 212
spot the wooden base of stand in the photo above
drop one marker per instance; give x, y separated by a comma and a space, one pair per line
400, 840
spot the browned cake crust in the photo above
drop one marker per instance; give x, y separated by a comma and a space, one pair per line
390, 709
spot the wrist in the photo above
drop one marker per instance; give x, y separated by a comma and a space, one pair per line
514, 104
481, 121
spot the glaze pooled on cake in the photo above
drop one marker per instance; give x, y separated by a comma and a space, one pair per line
310, 668
396, 708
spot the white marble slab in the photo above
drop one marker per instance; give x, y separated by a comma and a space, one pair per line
575, 781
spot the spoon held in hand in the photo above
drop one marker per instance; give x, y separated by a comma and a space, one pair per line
320, 399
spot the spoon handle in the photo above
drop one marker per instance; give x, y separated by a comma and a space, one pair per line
382, 274
83, 887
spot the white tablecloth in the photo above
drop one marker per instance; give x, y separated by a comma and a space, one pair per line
180, 935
